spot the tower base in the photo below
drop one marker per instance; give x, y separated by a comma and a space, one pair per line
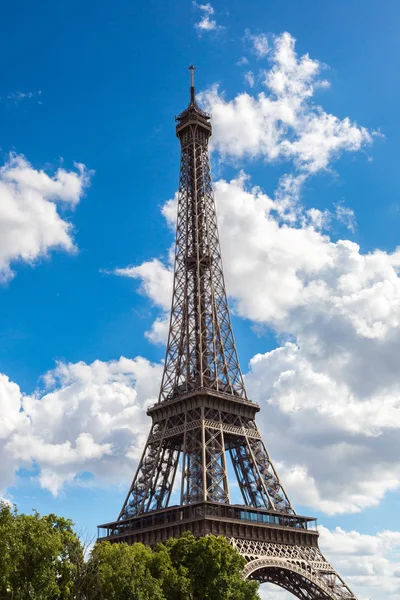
279, 548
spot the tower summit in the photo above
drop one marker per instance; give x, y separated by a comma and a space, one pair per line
203, 422
192, 69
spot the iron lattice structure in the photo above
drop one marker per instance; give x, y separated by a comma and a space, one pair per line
204, 421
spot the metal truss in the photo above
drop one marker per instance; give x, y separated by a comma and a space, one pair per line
302, 570
201, 350
154, 479
203, 437
203, 416
259, 483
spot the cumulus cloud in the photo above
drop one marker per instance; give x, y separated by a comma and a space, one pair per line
88, 418
31, 223
368, 563
284, 122
333, 388
156, 281
206, 23
158, 333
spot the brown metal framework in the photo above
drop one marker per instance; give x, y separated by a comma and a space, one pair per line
203, 418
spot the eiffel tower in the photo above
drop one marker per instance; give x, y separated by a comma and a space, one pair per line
204, 425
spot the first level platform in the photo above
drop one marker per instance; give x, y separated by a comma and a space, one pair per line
203, 518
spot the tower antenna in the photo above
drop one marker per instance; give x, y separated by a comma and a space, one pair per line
192, 69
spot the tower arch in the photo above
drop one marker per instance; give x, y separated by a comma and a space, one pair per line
297, 578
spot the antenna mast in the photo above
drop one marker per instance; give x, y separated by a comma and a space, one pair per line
191, 69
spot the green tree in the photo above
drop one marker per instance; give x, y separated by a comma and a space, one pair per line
70, 562
7, 560
175, 578
38, 556
123, 572
183, 569
36, 550
214, 568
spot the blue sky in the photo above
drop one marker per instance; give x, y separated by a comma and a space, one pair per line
98, 85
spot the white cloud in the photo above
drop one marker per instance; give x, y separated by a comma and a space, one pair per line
242, 61
260, 43
89, 418
319, 219
330, 434
283, 123
368, 563
30, 221
334, 388
249, 78
206, 23
17, 97
11, 420
346, 216
262, 252
156, 281
158, 333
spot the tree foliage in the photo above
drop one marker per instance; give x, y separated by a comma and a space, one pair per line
39, 556
213, 567
123, 573
42, 558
